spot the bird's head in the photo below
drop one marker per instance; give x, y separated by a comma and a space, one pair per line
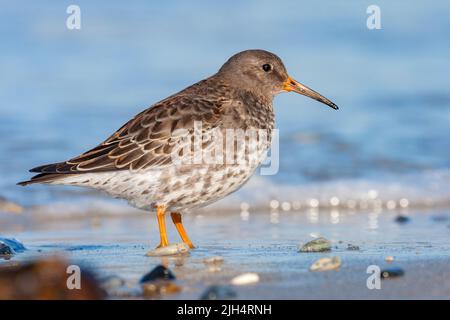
264, 72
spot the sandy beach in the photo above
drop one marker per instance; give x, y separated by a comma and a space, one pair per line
265, 243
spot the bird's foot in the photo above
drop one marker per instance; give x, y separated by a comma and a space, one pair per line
162, 244
189, 243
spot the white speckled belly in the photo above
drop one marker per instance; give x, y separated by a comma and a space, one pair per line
179, 188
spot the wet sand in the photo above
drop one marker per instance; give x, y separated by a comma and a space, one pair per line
262, 242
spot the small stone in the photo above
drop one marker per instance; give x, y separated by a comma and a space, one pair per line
174, 249
352, 247
245, 278
316, 245
159, 288
392, 272
14, 244
217, 292
402, 219
158, 282
9, 247
326, 264
158, 273
389, 259
5, 251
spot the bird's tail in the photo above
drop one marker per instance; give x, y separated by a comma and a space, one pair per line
47, 174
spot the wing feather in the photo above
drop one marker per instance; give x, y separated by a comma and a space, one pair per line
146, 141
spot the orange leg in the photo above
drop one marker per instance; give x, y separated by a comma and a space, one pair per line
176, 218
161, 215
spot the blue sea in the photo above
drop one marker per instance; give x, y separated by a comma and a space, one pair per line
64, 91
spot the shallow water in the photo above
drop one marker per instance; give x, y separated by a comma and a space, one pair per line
259, 243
65, 91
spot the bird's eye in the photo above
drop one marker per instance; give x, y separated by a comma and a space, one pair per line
267, 67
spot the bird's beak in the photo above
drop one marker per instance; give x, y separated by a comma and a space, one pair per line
292, 85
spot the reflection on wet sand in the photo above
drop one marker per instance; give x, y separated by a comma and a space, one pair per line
265, 243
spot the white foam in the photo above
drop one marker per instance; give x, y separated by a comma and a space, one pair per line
426, 190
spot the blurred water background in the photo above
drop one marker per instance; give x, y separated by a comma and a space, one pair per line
64, 91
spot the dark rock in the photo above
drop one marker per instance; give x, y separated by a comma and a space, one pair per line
402, 219
217, 292
352, 247
13, 245
5, 251
392, 272
158, 273
8, 247
158, 282
45, 279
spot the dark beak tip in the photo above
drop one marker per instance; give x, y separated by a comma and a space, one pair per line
332, 105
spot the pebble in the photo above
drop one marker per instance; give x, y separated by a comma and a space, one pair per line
158, 273
217, 292
9, 247
5, 251
325, 264
316, 245
174, 249
392, 272
402, 219
352, 247
245, 278
159, 282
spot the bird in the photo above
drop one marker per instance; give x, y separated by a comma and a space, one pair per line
154, 161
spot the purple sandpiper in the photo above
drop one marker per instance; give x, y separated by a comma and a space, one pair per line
137, 162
